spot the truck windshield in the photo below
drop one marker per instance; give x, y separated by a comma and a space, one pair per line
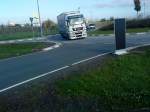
75, 21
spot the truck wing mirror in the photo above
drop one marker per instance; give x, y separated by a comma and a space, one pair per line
67, 23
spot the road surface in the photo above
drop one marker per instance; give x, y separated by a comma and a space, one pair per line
16, 70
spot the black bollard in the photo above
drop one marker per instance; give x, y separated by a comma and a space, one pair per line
120, 33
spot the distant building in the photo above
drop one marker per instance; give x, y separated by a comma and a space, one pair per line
11, 24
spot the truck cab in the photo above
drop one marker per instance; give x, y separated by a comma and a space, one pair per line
72, 25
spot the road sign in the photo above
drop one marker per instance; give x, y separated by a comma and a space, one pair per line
31, 19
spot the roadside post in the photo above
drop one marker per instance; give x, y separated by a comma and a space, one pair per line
120, 36
31, 20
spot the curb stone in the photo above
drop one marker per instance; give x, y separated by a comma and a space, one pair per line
141, 33
28, 39
52, 47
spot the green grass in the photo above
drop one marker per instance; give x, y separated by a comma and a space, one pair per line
138, 30
135, 30
13, 50
17, 35
123, 83
99, 32
23, 35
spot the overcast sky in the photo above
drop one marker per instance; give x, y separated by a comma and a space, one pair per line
20, 10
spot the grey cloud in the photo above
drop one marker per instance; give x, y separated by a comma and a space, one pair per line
118, 3
112, 5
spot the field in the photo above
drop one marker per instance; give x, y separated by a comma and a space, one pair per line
130, 30
13, 50
24, 35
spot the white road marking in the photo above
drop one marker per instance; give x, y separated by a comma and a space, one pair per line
29, 80
48, 73
94, 57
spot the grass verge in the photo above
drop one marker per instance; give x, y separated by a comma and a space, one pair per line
17, 49
106, 32
138, 30
23, 35
123, 84
17, 35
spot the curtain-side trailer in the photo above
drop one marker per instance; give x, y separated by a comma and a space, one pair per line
72, 25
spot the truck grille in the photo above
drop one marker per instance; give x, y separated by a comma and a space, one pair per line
78, 29
78, 34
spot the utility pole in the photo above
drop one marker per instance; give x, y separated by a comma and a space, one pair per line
144, 9
41, 29
79, 9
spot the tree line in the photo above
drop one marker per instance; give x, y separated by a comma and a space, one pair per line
47, 26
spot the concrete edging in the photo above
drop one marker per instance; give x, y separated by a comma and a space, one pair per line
34, 40
43, 50
27, 39
141, 33
138, 46
127, 50
21, 40
52, 47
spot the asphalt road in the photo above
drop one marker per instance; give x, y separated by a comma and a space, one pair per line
16, 70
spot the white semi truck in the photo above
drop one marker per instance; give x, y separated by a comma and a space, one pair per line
72, 25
